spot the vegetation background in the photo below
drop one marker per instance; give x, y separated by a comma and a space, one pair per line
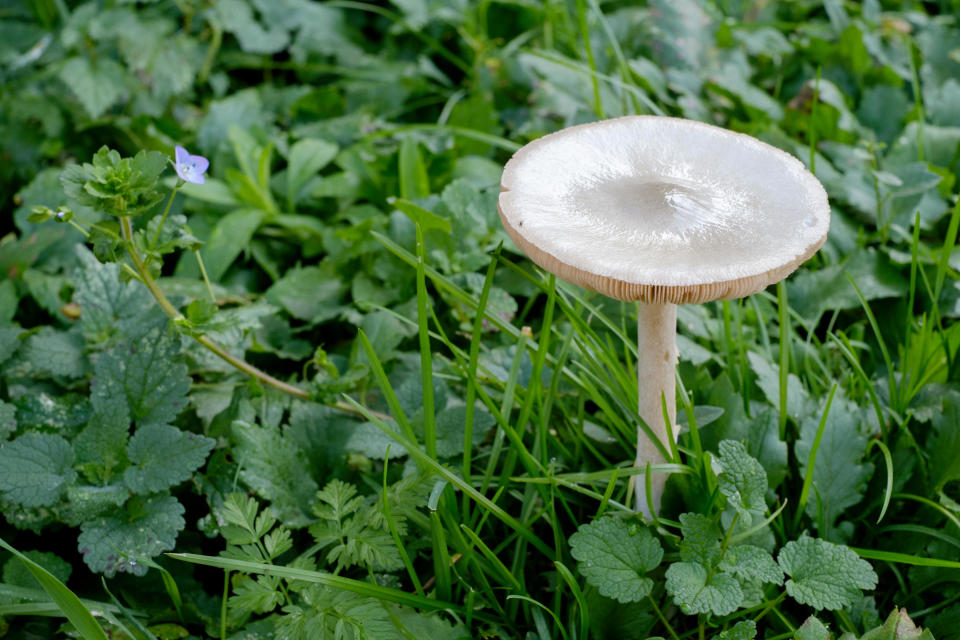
455, 462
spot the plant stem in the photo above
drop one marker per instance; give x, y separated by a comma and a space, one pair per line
174, 314
156, 236
657, 388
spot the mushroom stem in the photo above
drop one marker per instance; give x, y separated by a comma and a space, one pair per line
656, 379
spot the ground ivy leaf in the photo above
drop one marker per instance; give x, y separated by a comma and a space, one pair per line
751, 563
35, 469
103, 299
101, 446
825, 575
743, 630
687, 583
701, 539
123, 539
162, 456
812, 629
58, 353
145, 372
97, 87
743, 480
615, 556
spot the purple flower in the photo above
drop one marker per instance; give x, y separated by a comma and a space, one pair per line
190, 168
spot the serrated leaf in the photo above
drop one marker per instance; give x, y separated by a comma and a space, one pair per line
144, 373
944, 443
742, 480
119, 542
162, 456
98, 87
104, 301
57, 353
701, 539
812, 629
236, 16
324, 284
450, 430
687, 583
752, 564
743, 630
17, 573
273, 466
825, 575
840, 473
35, 469
615, 557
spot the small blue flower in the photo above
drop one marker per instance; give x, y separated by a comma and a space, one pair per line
190, 168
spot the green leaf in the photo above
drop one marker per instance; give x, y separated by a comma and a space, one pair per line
687, 583
145, 375
812, 629
743, 630
615, 557
57, 353
752, 564
742, 480
35, 469
231, 236
450, 430
119, 542
101, 446
701, 539
944, 443
273, 466
427, 220
236, 16
414, 181
8, 302
65, 599
825, 575
97, 87
840, 473
163, 456
18, 573
8, 420
311, 293
812, 292
307, 158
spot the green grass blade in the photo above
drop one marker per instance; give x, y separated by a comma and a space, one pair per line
812, 460
66, 600
578, 596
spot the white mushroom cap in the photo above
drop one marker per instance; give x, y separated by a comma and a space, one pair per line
662, 209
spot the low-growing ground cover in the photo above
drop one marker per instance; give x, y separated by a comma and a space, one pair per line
312, 390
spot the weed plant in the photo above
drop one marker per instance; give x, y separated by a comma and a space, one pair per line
314, 391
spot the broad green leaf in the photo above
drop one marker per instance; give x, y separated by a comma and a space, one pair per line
18, 573
97, 86
812, 293
450, 430
273, 466
35, 469
743, 630
105, 302
824, 575
768, 379
57, 353
162, 456
812, 629
310, 293
841, 473
146, 375
615, 557
742, 480
687, 583
944, 443
8, 301
307, 157
68, 603
101, 446
120, 541
229, 237
9, 341
701, 539
414, 181
237, 17
426, 219
752, 564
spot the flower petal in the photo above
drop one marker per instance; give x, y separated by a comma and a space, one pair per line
200, 164
181, 154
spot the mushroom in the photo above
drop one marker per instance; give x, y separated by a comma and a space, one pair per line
663, 211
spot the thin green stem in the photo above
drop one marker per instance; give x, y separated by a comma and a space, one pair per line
206, 280
173, 194
175, 315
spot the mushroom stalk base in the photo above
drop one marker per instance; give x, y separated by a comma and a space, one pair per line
656, 377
